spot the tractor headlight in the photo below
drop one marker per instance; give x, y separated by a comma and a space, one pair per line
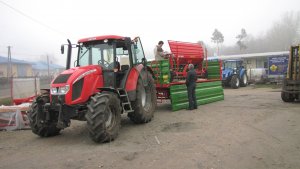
60, 90
53, 91
63, 89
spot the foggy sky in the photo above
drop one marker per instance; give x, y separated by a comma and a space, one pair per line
47, 24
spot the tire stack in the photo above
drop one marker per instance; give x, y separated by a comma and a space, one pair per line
206, 92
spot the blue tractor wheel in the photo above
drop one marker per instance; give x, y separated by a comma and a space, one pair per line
235, 82
244, 80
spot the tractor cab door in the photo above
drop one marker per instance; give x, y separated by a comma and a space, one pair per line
108, 63
102, 54
138, 57
115, 64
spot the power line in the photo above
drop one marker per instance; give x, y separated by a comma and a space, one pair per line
33, 19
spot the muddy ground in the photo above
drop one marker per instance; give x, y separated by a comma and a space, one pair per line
250, 129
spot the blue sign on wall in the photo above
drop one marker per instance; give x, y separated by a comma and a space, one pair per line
278, 65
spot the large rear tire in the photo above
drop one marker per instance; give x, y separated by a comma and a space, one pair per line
37, 123
235, 82
145, 103
104, 117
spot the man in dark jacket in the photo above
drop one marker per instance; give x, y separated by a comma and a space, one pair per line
191, 87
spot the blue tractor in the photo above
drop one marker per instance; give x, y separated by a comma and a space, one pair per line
234, 74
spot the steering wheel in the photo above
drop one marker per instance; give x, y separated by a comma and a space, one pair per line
106, 64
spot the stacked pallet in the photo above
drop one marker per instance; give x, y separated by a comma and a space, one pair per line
206, 92
213, 69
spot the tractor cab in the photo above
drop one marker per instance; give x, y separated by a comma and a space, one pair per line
232, 64
115, 57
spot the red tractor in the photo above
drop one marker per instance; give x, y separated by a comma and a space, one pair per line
110, 78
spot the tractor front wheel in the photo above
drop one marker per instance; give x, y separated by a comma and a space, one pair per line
286, 97
104, 117
244, 80
235, 82
38, 124
145, 103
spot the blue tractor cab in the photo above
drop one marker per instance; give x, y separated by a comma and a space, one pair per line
234, 74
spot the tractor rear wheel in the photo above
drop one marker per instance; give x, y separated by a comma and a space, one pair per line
235, 82
244, 80
104, 117
37, 123
286, 97
145, 103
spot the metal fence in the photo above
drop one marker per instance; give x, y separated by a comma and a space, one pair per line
22, 87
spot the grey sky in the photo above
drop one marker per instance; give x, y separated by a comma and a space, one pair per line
154, 20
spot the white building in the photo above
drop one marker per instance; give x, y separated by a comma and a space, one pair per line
271, 65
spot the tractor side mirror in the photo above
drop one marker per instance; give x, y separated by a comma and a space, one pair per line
62, 49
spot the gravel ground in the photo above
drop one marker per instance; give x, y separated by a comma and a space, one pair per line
250, 129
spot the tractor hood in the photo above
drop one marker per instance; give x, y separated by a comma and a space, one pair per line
226, 73
76, 85
74, 74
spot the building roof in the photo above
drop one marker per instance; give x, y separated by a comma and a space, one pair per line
3, 60
249, 55
40, 65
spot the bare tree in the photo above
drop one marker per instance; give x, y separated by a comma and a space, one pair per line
282, 34
217, 37
241, 39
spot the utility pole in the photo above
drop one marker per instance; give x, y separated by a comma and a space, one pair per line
48, 69
9, 72
9, 66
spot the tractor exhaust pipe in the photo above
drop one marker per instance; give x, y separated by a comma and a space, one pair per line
69, 54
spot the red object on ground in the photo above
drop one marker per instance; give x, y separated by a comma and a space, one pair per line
23, 100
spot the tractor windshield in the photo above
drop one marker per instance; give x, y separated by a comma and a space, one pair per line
96, 54
229, 64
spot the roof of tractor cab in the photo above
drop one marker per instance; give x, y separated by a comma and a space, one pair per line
101, 38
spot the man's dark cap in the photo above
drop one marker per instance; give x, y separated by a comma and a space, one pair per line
160, 42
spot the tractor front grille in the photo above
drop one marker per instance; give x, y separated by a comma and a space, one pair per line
55, 99
77, 89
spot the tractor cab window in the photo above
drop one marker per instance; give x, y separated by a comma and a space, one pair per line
137, 51
122, 56
96, 54
83, 58
107, 60
229, 64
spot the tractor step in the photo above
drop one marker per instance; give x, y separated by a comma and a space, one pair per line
126, 105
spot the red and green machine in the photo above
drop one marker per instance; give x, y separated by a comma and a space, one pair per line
170, 75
